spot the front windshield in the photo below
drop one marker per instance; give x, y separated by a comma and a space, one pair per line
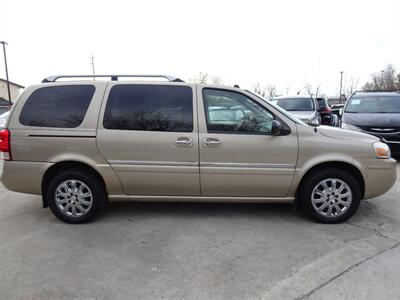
295, 104
378, 104
278, 108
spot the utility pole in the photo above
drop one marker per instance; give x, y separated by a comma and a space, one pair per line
287, 90
92, 63
340, 89
5, 63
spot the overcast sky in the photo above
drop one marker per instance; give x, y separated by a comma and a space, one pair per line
272, 42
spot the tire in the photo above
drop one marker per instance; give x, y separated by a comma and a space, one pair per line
81, 191
319, 201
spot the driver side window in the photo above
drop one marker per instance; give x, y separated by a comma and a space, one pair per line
231, 112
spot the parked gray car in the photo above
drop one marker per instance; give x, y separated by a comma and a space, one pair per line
303, 107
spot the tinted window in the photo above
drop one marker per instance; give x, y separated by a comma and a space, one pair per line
383, 104
230, 112
149, 107
57, 106
295, 104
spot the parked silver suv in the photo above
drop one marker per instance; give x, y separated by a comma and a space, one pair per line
82, 143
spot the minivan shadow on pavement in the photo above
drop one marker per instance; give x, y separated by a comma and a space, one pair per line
132, 210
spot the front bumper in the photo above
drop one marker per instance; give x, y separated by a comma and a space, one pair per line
380, 176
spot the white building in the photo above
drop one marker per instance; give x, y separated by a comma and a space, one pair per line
15, 90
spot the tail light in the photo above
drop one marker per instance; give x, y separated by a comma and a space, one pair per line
5, 151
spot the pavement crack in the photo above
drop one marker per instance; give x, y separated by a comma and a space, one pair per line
374, 231
306, 296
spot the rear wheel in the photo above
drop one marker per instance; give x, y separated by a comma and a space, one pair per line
330, 196
75, 196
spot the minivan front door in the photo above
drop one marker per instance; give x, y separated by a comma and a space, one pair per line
148, 134
239, 156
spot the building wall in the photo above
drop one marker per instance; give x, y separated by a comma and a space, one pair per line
15, 91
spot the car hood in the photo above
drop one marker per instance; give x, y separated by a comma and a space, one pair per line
370, 119
339, 133
303, 115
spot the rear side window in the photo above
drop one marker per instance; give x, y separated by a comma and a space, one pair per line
150, 108
57, 106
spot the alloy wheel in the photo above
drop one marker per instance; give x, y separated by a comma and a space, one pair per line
73, 198
331, 197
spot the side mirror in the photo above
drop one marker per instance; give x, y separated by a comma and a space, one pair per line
276, 127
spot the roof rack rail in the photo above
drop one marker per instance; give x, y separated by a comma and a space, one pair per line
113, 77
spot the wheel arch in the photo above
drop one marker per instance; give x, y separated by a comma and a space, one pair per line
63, 166
348, 167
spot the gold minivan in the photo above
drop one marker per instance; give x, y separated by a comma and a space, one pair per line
80, 142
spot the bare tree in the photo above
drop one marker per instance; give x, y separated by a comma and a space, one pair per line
318, 90
259, 90
385, 80
398, 82
216, 80
308, 87
350, 85
200, 78
269, 91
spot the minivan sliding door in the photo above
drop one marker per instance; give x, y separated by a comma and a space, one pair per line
148, 133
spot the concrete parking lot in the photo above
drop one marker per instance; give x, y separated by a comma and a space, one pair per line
199, 251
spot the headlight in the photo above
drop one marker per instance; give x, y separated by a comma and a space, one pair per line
313, 120
351, 127
382, 150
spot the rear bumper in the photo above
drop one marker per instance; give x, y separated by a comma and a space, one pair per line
24, 177
380, 176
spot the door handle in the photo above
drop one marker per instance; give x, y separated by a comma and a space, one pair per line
212, 142
184, 142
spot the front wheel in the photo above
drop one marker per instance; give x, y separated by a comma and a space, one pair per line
330, 196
